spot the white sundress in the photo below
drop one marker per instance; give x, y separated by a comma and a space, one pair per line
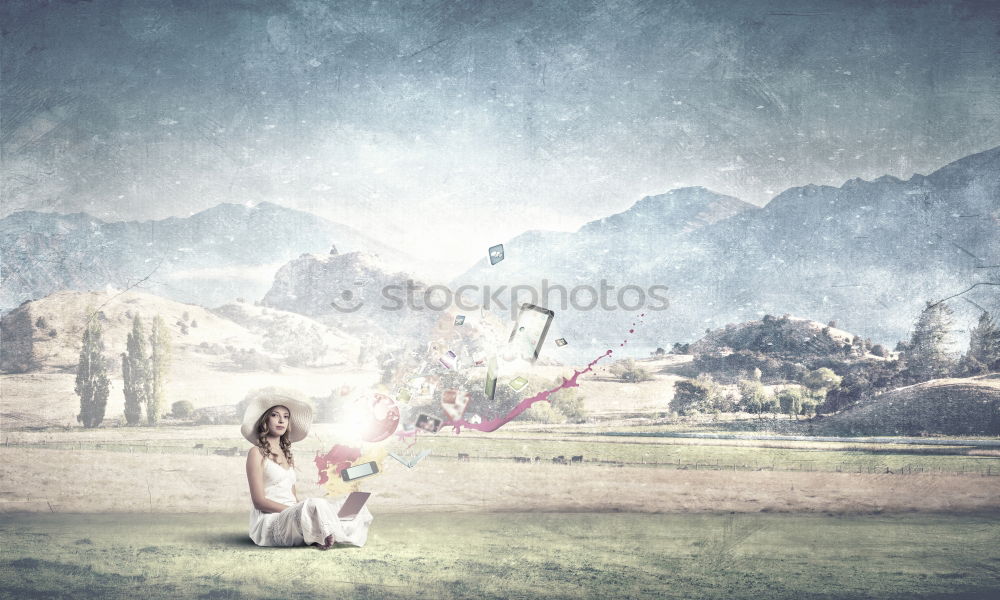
307, 522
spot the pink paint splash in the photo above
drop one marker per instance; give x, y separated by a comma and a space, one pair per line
341, 456
344, 456
494, 424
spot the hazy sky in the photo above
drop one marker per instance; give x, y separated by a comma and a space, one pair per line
446, 127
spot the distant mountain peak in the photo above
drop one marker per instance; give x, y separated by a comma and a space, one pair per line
887, 179
982, 164
681, 209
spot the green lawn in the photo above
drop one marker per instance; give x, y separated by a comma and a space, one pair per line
509, 556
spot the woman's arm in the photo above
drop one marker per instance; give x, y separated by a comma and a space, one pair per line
255, 477
295, 493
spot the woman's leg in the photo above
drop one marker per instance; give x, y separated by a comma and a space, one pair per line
286, 529
319, 522
321, 525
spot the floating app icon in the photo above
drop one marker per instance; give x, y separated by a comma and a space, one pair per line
518, 383
428, 423
496, 254
403, 395
449, 360
454, 403
561, 342
459, 319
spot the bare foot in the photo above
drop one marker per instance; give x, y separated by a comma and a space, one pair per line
327, 543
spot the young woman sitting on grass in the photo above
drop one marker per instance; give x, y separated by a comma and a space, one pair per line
272, 422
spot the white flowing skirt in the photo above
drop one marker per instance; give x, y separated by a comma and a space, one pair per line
309, 522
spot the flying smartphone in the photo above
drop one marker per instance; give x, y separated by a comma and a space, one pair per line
359, 471
529, 332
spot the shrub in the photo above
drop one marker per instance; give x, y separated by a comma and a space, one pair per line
569, 402
694, 395
790, 401
542, 412
726, 402
627, 371
181, 409
255, 361
821, 379
752, 395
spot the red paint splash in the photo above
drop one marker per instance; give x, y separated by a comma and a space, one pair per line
494, 424
341, 456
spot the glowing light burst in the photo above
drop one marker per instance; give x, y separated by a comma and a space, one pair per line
359, 420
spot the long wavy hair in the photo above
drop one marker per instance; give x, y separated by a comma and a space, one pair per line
283, 442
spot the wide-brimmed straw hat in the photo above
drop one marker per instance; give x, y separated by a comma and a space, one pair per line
300, 412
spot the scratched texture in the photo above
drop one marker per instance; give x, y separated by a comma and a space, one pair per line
437, 129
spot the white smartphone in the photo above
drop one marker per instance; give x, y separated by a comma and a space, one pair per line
359, 471
529, 332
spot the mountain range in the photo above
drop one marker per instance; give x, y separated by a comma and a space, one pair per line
209, 258
867, 254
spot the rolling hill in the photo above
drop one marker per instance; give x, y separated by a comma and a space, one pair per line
217, 356
941, 406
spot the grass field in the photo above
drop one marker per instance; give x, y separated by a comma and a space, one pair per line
106, 556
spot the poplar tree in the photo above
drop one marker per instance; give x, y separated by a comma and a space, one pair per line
159, 365
135, 369
92, 384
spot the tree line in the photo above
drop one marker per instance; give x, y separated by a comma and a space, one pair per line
830, 384
145, 365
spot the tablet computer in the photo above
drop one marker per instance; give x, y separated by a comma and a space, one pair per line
352, 506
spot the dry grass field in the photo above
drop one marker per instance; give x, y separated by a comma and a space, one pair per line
176, 479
